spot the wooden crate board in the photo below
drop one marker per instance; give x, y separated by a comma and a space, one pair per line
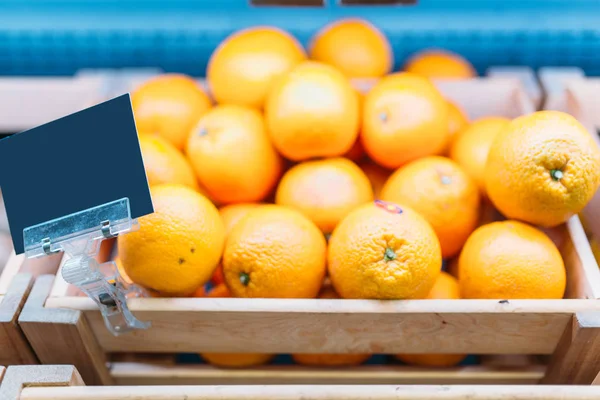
329, 326
333, 392
132, 373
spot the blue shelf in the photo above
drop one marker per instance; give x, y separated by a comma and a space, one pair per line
58, 37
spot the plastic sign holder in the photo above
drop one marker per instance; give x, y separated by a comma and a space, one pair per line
101, 282
77, 218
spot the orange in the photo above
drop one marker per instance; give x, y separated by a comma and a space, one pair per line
330, 360
169, 105
377, 176
237, 360
177, 248
324, 190
543, 168
244, 67
233, 213
384, 251
275, 252
440, 64
446, 287
220, 290
164, 163
404, 118
121, 270
457, 121
355, 47
438, 189
312, 111
232, 155
452, 267
471, 147
510, 260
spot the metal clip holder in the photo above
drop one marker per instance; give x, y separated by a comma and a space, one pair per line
79, 235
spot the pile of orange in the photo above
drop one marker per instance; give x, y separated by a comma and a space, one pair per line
285, 176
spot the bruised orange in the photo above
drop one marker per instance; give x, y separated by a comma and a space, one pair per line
404, 118
169, 105
313, 111
382, 251
178, 247
438, 189
164, 163
543, 168
441, 64
355, 47
244, 67
470, 148
324, 190
275, 252
510, 260
232, 156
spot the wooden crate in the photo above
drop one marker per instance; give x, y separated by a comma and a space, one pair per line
63, 382
64, 328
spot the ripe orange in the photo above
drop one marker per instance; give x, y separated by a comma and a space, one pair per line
275, 252
330, 360
457, 121
510, 260
543, 168
384, 251
404, 118
244, 67
233, 213
218, 291
169, 105
232, 155
177, 248
471, 147
440, 64
446, 287
324, 190
355, 47
438, 189
164, 163
377, 176
237, 360
312, 111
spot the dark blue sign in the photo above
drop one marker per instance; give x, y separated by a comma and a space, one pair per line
72, 164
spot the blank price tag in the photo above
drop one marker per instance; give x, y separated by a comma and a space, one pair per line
81, 161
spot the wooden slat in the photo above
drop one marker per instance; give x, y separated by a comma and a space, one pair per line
61, 336
577, 357
14, 347
131, 374
347, 392
10, 270
46, 376
583, 271
338, 326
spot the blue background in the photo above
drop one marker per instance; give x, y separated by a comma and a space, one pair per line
58, 37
